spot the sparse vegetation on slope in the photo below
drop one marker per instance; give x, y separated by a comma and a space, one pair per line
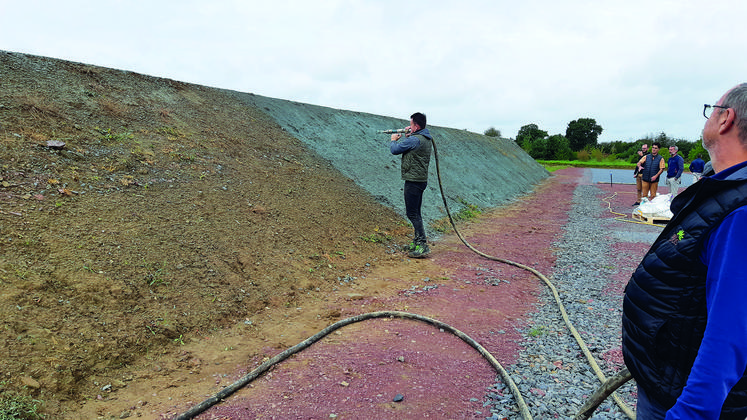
171, 211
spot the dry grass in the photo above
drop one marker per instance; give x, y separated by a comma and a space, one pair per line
113, 108
38, 107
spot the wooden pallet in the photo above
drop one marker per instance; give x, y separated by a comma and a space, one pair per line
650, 219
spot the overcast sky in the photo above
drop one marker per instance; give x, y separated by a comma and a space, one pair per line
637, 67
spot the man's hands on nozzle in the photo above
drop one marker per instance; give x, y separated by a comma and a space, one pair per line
398, 136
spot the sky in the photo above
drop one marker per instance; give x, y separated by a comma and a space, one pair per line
638, 68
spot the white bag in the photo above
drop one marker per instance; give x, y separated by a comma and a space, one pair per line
658, 207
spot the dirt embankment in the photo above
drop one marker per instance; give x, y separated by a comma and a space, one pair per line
173, 213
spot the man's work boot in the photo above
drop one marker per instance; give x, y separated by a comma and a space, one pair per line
414, 244
421, 251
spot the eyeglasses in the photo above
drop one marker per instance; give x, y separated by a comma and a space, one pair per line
708, 109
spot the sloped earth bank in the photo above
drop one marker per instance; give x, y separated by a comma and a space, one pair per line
182, 235
357, 371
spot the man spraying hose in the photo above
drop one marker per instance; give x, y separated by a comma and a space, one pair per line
415, 149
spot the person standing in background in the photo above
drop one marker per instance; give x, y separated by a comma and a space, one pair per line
652, 165
696, 168
637, 173
675, 168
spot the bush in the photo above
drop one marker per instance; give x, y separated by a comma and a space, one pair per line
696, 150
597, 155
558, 148
492, 132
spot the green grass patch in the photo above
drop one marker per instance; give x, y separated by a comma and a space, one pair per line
559, 164
537, 331
108, 134
468, 212
376, 237
553, 168
17, 407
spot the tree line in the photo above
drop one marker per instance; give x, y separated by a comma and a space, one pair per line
580, 143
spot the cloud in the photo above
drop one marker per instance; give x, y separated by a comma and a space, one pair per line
637, 67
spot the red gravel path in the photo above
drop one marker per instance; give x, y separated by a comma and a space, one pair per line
356, 372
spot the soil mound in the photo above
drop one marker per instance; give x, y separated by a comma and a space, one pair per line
138, 214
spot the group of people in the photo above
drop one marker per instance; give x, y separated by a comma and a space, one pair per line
684, 322
650, 166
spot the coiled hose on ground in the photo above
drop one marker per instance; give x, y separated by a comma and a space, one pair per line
607, 388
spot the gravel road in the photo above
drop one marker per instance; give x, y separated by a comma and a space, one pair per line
595, 257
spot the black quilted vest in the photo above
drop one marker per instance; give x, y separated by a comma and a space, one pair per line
664, 308
651, 167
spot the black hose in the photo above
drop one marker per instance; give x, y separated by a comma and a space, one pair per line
264, 367
602, 393
592, 362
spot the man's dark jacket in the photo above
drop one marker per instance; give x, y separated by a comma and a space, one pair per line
664, 309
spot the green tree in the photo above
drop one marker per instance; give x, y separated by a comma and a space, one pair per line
663, 139
549, 148
492, 132
583, 132
538, 148
558, 148
631, 154
698, 150
527, 134
684, 147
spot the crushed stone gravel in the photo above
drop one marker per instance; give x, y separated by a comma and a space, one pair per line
552, 373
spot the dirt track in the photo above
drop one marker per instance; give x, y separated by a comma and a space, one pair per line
357, 373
